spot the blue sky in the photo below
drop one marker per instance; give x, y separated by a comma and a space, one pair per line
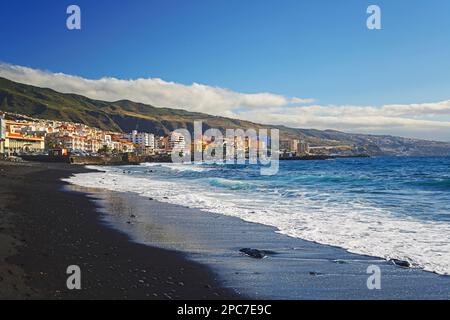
308, 49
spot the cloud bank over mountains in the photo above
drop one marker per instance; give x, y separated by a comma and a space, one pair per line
154, 91
424, 120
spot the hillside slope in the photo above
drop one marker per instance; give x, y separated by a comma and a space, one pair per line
126, 115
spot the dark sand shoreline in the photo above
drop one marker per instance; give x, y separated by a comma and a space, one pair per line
43, 230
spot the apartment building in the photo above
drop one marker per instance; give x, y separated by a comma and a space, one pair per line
294, 146
18, 143
176, 142
142, 139
14, 140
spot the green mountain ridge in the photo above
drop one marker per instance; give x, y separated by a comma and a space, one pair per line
125, 115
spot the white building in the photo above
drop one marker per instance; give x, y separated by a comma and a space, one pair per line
177, 142
143, 139
34, 130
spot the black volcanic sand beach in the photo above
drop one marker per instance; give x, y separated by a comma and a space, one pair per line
124, 245
43, 230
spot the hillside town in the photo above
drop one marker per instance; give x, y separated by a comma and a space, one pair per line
40, 136
22, 135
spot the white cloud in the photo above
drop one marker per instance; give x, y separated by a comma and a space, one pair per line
302, 101
428, 120
195, 97
425, 120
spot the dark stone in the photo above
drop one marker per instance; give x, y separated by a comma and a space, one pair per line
339, 261
401, 263
254, 253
